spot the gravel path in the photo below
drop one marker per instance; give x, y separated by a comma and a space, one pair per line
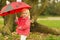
50, 18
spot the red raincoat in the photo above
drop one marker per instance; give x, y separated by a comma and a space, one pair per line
24, 23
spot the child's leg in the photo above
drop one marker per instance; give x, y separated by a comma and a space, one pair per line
23, 37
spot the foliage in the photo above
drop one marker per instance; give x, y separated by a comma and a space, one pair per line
33, 36
52, 9
1, 37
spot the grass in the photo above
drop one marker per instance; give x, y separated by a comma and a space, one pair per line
50, 23
35, 36
1, 22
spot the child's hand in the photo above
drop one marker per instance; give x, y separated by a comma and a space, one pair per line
16, 17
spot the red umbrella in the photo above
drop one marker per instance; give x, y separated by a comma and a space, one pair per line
14, 7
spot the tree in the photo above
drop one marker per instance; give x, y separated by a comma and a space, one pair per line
35, 12
8, 21
53, 9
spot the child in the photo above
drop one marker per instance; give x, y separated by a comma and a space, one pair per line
23, 23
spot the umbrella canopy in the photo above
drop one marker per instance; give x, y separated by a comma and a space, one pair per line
14, 7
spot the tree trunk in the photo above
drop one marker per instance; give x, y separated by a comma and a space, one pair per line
9, 23
35, 12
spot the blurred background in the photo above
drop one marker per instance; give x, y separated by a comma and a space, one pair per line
45, 17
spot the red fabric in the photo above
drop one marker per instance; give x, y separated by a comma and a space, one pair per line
17, 7
24, 23
20, 5
6, 13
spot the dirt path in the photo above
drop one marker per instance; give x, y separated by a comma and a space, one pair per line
47, 18
50, 18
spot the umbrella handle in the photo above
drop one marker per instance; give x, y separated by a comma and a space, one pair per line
7, 2
18, 0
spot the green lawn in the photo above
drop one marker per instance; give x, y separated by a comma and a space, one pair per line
50, 23
1, 22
